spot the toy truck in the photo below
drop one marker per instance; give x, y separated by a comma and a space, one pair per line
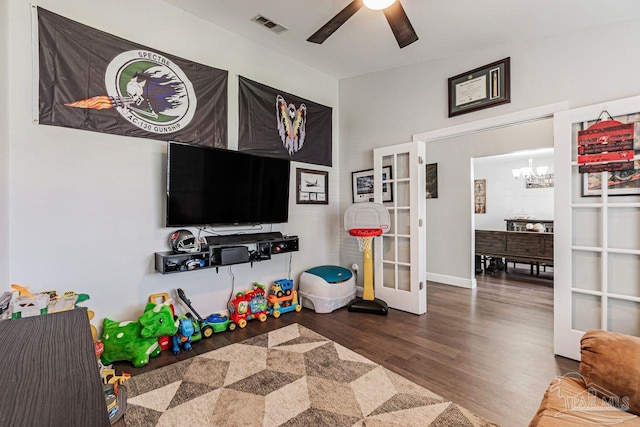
283, 298
281, 288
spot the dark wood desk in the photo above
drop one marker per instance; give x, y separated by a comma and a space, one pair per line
527, 246
49, 372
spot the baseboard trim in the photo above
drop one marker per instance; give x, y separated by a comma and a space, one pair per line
440, 278
452, 280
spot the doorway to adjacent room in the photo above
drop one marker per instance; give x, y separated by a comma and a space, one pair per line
513, 217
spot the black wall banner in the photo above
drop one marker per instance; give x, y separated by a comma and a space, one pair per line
95, 81
274, 123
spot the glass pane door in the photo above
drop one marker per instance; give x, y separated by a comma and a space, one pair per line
400, 275
597, 235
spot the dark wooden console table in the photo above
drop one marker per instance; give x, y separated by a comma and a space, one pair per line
527, 246
519, 224
49, 372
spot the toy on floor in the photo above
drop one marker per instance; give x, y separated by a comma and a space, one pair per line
110, 395
165, 340
184, 334
23, 291
101, 366
67, 301
5, 300
28, 304
98, 346
109, 377
204, 328
137, 341
249, 305
283, 298
115, 397
365, 221
94, 330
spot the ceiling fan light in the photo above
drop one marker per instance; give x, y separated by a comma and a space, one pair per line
378, 4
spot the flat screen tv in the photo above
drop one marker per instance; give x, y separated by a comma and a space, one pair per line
210, 186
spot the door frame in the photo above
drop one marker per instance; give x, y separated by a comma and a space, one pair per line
505, 120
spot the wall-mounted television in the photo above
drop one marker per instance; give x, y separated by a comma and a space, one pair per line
210, 186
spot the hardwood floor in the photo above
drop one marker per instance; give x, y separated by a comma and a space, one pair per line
489, 349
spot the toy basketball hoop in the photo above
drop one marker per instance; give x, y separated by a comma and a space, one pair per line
365, 221
367, 215
365, 237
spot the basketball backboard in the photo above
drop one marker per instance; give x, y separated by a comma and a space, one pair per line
367, 215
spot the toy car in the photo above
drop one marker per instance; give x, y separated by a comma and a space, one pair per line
192, 264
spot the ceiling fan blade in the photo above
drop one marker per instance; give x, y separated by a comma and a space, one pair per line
336, 22
400, 25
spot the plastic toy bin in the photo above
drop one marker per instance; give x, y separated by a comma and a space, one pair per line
326, 288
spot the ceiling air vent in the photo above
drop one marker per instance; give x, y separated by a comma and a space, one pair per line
268, 23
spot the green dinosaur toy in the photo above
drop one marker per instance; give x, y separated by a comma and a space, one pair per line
137, 341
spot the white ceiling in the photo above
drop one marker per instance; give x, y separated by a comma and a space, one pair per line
446, 28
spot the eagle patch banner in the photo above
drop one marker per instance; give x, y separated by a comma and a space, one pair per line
92, 80
274, 123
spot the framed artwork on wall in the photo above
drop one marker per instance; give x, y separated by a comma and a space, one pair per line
619, 183
480, 196
312, 187
483, 87
362, 183
432, 180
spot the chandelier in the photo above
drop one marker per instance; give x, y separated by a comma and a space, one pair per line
534, 178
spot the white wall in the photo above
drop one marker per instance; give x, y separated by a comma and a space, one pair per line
87, 212
389, 107
508, 197
4, 147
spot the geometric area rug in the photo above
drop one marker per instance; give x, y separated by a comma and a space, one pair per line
288, 377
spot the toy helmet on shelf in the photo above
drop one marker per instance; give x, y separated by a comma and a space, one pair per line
183, 241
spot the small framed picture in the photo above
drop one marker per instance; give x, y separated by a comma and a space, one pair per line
363, 185
312, 187
619, 183
480, 196
432, 180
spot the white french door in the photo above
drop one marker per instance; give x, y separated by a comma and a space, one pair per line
597, 236
400, 277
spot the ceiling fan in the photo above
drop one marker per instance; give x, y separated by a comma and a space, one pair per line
393, 11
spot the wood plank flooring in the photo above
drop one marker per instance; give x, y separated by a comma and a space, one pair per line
489, 349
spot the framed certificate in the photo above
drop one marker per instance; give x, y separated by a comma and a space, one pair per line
483, 87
